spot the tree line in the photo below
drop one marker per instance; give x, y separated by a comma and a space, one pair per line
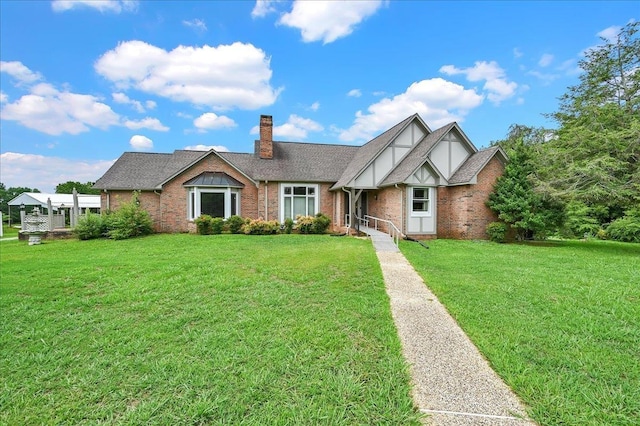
582, 178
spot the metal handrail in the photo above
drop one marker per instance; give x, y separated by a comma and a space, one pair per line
392, 229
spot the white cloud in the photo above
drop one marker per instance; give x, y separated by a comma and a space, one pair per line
496, 84
43, 173
545, 60
262, 8
545, 78
121, 98
146, 123
53, 112
211, 121
197, 24
517, 53
438, 102
315, 106
140, 143
354, 93
328, 20
19, 71
150, 104
610, 34
115, 6
184, 115
218, 148
3, 98
222, 77
296, 127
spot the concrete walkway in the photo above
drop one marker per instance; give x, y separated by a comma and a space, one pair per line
452, 383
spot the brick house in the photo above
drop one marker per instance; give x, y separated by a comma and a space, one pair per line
428, 183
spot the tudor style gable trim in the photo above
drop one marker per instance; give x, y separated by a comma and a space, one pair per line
378, 157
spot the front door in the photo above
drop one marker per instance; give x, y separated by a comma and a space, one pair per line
362, 205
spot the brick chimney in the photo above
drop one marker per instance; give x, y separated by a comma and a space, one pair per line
266, 137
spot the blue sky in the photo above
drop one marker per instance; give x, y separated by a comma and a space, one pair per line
81, 82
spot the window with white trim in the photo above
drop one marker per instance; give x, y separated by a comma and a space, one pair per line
216, 202
420, 201
298, 199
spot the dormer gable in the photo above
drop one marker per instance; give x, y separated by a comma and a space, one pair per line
451, 151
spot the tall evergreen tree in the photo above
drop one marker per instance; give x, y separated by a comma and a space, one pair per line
516, 202
594, 160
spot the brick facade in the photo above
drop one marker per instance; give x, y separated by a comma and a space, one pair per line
462, 211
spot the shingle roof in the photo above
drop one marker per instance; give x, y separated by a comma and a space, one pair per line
140, 170
369, 151
296, 161
474, 164
292, 161
418, 157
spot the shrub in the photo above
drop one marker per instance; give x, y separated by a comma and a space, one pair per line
313, 225
130, 220
288, 225
203, 224
626, 229
235, 224
89, 227
321, 223
304, 224
216, 225
497, 232
261, 227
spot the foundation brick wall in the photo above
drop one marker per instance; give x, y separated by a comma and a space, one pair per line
462, 212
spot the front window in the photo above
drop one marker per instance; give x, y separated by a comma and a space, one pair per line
420, 201
299, 199
213, 202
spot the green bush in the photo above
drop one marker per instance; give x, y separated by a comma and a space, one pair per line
261, 227
130, 220
288, 225
203, 224
234, 223
217, 223
304, 224
321, 223
626, 229
89, 227
313, 225
497, 232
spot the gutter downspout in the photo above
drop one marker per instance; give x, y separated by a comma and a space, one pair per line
350, 213
266, 200
155, 191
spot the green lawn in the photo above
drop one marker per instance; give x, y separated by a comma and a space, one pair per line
185, 329
8, 232
559, 321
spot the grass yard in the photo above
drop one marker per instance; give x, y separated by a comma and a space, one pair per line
559, 321
184, 329
8, 232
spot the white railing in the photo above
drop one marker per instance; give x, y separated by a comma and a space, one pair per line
391, 228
